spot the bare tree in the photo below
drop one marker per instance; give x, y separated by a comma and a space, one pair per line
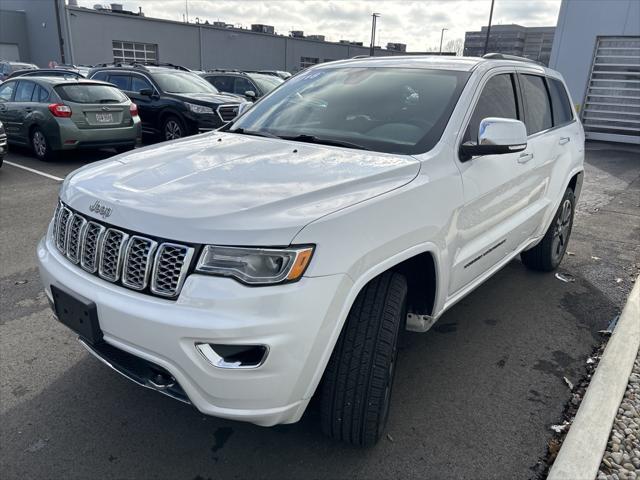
456, 45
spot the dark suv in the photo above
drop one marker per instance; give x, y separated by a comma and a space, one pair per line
172, 102
251, 85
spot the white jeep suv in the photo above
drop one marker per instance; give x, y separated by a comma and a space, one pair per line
246, 269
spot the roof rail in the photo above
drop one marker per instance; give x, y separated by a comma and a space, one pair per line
233, 70
161, 64
504, 56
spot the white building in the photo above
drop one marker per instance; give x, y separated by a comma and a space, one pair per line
597, 50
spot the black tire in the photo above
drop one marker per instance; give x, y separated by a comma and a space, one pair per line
40, 145
547, 255
172, 128
357, 384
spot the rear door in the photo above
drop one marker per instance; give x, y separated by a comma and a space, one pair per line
500, 190
24, 104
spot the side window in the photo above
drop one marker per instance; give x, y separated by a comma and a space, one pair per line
537, 105
139, 83
498, 99
24, 91
102, 76
221, 82
242, 85
121, 81
6, 91
40, 94
562, 112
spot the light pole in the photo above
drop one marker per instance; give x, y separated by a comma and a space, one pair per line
374, 19
441, 37
486, 40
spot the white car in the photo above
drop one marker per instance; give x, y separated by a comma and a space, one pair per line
247, 269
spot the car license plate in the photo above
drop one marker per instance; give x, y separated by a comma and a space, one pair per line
104, 117
81, 316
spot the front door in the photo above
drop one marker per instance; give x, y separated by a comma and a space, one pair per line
500, 191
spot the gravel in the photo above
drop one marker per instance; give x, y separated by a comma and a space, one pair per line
621, 460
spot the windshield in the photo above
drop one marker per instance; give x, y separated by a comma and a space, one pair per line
393, 110
265, 82
183, 82
88, 93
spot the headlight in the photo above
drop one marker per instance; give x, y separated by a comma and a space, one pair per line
255, 266
198, 108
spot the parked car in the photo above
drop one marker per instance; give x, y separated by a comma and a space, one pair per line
283, 254
7, 67
173, 103
251, 86
46, 72
277, 73
50, 114
3, 143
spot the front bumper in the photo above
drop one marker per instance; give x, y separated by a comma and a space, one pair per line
296, 321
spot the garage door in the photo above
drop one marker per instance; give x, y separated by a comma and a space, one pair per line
612, 104
9, 51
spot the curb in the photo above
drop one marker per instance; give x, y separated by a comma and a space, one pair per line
584, 445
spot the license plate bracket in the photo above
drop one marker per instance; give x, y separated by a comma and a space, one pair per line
78, 314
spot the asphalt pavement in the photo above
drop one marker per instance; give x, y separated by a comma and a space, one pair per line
474, 397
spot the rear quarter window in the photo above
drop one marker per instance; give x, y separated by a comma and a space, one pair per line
562, 112
87, 93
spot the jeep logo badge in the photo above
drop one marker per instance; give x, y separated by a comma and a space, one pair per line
100, 209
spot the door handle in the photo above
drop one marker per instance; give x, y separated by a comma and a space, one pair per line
525, 157
564, 140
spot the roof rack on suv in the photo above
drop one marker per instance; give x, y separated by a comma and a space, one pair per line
504, 56
141, 65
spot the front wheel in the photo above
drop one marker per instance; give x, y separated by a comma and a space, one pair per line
547, 255
356, 388
172, 128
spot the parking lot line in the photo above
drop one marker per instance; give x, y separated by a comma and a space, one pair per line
32, 170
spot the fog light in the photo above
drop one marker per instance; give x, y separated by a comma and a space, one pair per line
233, 356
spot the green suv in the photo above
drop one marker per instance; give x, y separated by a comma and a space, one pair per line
51, 114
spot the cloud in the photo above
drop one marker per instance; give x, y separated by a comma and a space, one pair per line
416, 23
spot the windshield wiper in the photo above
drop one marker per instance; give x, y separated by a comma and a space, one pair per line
324, 141
256, 133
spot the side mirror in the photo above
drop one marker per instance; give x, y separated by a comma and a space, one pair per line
147, 92
496, 136
243, 107
250, 94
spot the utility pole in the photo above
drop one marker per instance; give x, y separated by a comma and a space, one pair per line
374, 19
186, 9
486, 41
441, 36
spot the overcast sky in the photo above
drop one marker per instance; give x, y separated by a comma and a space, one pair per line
416, 23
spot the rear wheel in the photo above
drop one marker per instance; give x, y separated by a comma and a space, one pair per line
172, 128
41, 146
357, 383
548, 254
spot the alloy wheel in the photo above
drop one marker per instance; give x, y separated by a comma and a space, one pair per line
562, 230
39, 144
172, 130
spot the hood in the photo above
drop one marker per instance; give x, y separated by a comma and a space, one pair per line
232, 189
216, 98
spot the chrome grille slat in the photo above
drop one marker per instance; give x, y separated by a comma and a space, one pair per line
169, 269
132, 260
138, 260
91, 245
61, 230
111, 254
75, 231
228, 112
